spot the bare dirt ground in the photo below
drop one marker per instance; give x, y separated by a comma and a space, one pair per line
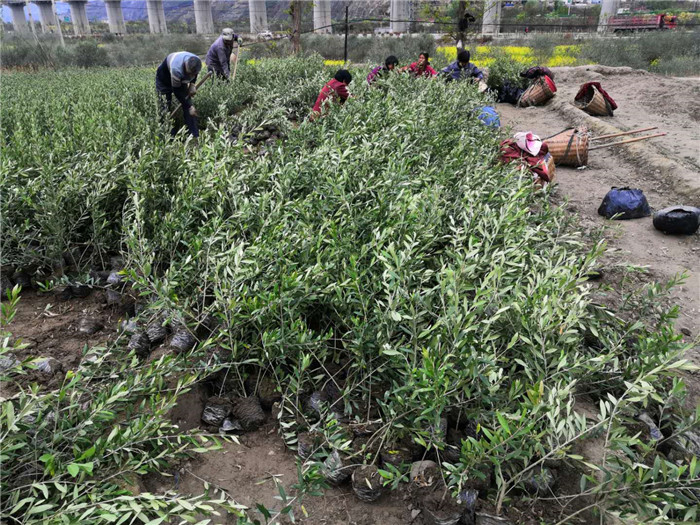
247, 470
646, 100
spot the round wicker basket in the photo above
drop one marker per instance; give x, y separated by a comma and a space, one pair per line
570, 147
537, 94
596, 105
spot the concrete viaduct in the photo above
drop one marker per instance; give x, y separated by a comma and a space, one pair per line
204, 21
400, 12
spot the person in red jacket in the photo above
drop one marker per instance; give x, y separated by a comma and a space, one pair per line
335, 90
422, 68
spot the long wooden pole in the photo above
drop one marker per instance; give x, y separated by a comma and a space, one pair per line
235, 66
206, 77
626, 141
623, 133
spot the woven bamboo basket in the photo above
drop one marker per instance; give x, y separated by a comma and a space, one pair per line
597, 105
570, 147
537, 94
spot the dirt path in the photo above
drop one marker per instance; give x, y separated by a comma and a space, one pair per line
646, 100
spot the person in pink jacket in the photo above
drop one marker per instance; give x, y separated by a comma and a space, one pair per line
422, 68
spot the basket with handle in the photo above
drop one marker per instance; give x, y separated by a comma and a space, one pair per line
569, 147
537, 94
596, 105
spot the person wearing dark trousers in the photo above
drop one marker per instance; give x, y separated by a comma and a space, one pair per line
177, 75
219, 54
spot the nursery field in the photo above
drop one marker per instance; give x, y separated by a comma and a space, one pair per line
317, 307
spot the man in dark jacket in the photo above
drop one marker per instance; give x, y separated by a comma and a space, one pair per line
177, 76
219, 55
462, 69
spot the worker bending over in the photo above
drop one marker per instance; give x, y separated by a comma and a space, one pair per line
177, 76
462, 69
335, 90
219, 54
382, 71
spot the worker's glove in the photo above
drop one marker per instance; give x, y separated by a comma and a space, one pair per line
240, 41
193, 112
192, 90
482, 86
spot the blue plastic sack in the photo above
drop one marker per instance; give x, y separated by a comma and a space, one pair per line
627, 203
489, 116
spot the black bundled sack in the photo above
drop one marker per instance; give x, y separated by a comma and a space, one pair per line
510, 93
677, 219
626, 203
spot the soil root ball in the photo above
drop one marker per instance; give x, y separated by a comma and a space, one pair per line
308, 444
129, 326
216, 411
140, 344
113, 297
677, 220
49, 366
89, 326
248, 411
80, 290
542, 482
364, 429
317, 401
22, 279
364, 448
99, 277
685, 446
480, 481
469, 497
7, 363
335, 470
230, 425
116, 262
5, 285
439, 508
425, 473
487, 519
183, 340
156, 332
367, 483
396, 456
115, 279
439, 432
654, 431
265, 388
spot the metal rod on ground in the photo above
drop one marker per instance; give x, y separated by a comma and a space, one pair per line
197, 86
623, 133
626, 141
345, 55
